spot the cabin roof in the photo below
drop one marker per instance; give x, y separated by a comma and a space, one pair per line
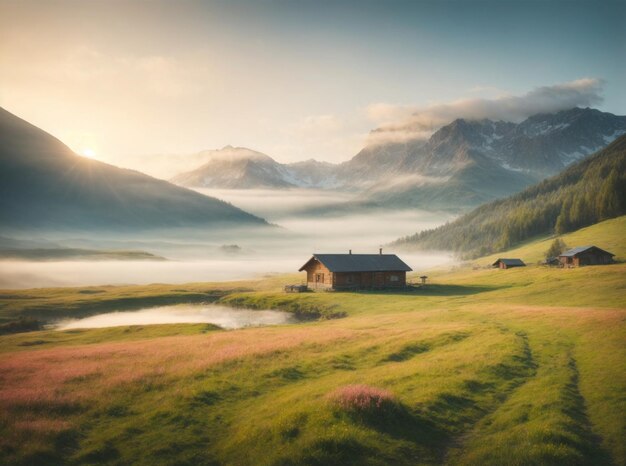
360, 263
509, 262
575, 251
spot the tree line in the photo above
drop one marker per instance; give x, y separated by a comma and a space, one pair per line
585, 193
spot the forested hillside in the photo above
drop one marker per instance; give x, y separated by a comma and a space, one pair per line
585, 193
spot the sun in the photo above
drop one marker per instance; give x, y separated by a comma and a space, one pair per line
89, 153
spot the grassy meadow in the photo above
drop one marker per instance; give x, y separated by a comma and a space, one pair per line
481, 367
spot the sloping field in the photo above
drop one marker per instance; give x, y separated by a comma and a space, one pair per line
608, 235
525, 366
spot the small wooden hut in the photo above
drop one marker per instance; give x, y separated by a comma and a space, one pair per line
585, 255
508, 263
355, 271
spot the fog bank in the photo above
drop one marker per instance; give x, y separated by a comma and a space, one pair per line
203, 256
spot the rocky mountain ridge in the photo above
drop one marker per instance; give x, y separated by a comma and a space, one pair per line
539, 146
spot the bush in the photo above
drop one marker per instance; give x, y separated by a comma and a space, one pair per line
362, 398
23, 324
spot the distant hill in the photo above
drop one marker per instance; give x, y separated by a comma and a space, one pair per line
242, 168
43, 184
462, 165
585, 193
608, 234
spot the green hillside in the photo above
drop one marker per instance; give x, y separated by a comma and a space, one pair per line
608, 235
480, 367
587, 192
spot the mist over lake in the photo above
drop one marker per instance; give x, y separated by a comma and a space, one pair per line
196, 255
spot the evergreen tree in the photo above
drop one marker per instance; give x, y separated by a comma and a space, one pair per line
557, 247
608, 204
563, 220
585, 193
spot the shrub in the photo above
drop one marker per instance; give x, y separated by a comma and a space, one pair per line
362, 398
23, 324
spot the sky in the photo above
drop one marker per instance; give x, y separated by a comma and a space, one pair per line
123, 81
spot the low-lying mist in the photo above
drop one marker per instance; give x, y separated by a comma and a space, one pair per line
199, 255
277, 204
222, 316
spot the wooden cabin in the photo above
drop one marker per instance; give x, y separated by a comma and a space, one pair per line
586, 255
508, 263
355, 271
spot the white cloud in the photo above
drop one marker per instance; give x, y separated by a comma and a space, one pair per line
382, 113
402, 123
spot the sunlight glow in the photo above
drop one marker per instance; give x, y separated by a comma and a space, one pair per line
89, 153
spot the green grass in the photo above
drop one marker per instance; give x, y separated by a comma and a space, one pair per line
485, 367
53, 303
53, 338
608, 235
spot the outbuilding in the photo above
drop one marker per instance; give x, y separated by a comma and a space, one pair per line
551, 262
355, 271
508, 263
586, 255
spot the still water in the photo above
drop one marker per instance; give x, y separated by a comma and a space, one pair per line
224, 316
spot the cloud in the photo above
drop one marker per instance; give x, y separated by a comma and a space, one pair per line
386, 113
402, 123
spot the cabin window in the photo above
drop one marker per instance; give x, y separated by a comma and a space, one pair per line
319, 278
394, 278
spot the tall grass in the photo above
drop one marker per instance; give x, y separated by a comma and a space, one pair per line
362, 398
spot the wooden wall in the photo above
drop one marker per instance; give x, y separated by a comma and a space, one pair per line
587, 258
365, 280
319, 277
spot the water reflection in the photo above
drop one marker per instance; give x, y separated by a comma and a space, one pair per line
224, 316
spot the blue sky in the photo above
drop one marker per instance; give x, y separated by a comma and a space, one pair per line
295, 79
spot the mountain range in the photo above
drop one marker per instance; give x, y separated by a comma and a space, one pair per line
587, 192
242, 168
463, 164
44, 185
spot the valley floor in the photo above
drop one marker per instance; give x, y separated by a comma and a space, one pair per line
517, 367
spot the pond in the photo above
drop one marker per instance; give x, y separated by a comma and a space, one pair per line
224, 316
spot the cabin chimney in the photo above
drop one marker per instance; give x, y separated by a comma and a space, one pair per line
350, 252
380, 251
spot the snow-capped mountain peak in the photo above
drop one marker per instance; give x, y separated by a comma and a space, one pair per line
469, 154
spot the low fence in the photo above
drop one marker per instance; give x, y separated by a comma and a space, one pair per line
296, 288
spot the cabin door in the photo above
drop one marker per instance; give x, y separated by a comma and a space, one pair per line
379, 279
